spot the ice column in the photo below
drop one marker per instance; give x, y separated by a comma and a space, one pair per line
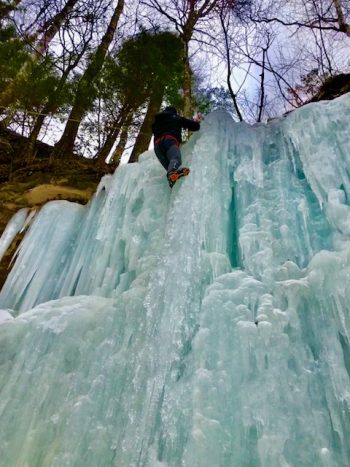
208, 325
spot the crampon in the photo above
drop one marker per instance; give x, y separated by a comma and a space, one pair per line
176, 174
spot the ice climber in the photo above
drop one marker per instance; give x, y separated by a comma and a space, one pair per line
166, 129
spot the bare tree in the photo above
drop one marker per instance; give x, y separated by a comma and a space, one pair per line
187, 17
85, 92
51, 27
72, 54
41, 39
124, 116
225, 18
319, 23
262, 78
120, 147
329, 15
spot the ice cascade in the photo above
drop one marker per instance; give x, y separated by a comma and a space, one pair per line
203, 326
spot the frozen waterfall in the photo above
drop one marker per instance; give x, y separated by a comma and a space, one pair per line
207, 326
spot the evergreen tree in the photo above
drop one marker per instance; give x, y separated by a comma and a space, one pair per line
27, 89
7, 7
12, 49
41, 40
146, 69
20, 91
161, 58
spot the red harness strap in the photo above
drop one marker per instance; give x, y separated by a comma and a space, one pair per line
158, 140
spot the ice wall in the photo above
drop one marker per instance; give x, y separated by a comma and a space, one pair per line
204, 326
16, 225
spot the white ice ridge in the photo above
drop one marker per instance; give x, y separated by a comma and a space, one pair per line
15, 225
200, 327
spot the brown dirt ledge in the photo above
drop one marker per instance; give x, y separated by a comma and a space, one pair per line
73, 179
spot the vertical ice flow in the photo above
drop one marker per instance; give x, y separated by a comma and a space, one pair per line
15, 225
204, 326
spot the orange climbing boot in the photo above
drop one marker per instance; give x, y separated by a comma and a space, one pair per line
174, 175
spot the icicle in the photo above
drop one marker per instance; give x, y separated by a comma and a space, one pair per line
200, 326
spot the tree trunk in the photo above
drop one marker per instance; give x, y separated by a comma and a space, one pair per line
118, 152
187, 85
66, 143
85, 92
104, 151
262, 87
343, 25
229, 71
51, 28
29, 151
49, 108
145, 134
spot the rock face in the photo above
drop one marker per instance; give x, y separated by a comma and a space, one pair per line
31, 186
334, 87
17, 195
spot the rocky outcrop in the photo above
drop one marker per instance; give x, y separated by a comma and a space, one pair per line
31, 186
333, 87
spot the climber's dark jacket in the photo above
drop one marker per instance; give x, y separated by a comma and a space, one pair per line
169, 123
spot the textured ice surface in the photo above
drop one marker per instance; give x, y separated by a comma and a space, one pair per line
200, 327
15, 225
